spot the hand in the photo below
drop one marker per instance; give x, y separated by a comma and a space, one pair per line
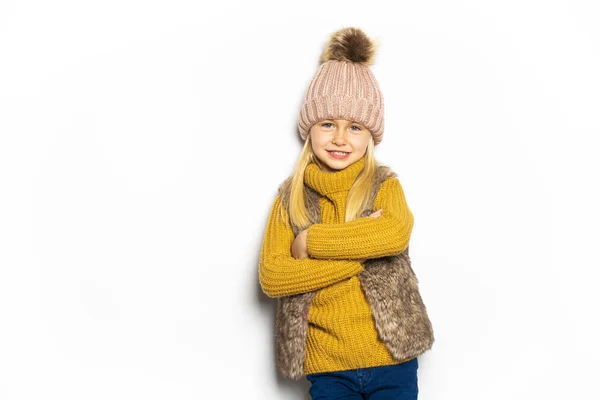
299, 247
376, 214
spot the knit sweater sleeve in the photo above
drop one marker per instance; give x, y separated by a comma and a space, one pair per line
280, 274
370, 237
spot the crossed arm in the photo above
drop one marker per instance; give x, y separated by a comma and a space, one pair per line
334, 250
280, 274
363, 238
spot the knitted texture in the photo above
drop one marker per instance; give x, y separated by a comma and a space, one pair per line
343, 90
341, 332
280, 274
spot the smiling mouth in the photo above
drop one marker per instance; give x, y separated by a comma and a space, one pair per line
339, 155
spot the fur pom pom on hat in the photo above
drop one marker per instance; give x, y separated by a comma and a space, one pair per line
344, 86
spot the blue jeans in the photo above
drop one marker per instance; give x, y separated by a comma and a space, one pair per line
398, 382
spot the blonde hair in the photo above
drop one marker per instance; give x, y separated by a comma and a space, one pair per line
358, 195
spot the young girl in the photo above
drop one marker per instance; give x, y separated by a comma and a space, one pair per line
335, 252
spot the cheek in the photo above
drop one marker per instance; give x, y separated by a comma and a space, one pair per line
319, 140
360, 144
316, 145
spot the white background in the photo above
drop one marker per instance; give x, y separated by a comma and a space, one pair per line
142, 144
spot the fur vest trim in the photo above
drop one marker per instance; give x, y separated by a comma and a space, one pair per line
390, 287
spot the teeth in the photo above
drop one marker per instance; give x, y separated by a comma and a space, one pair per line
339, 153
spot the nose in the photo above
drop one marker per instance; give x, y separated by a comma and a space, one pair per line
339, 137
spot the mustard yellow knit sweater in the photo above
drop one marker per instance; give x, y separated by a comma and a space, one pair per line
341, 331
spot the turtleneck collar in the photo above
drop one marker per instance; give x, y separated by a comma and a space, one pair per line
331, 182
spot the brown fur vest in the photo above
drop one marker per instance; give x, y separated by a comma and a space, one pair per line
390, 287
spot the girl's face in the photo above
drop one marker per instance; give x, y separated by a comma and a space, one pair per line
331, 136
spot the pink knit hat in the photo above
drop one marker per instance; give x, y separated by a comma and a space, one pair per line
344, 86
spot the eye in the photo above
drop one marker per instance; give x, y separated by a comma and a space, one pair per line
326, 123
357, 127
